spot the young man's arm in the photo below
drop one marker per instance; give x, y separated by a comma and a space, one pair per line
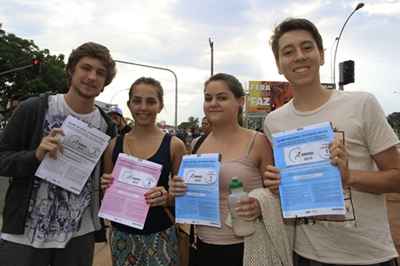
16, 160
381, 142
386, 180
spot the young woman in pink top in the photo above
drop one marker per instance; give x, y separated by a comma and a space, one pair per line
245, 154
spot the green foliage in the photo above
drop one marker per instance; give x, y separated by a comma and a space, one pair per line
394, 121
17, 52
191, 123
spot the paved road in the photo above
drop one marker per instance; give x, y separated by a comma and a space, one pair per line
102, 255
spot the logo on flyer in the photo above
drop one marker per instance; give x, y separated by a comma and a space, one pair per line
306, 153
200, 176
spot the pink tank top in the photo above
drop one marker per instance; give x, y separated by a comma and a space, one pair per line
247, 171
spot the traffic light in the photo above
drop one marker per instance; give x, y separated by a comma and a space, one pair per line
346, 72
36, 65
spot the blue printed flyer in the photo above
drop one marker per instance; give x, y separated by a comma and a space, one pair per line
200, 204
310, 184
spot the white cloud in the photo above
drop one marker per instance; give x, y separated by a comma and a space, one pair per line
151, 32
384, 8
302, 8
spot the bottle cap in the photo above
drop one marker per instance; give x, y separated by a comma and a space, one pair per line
235, 183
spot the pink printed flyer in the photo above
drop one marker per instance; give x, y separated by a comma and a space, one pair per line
124, 200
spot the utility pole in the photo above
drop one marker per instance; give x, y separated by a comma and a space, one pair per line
212, 55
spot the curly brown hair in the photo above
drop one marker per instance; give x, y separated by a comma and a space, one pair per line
95, 50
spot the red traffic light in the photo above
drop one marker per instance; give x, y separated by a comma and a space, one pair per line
36, 65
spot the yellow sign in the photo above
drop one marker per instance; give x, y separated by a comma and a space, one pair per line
259, 98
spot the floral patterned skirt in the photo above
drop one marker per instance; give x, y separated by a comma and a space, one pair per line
158, 249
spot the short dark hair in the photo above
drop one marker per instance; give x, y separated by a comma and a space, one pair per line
148, 81
233, 85
291, 24
95, 50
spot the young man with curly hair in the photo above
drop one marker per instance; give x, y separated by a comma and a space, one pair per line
44, 224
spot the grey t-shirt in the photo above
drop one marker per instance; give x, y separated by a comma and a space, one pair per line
56, 215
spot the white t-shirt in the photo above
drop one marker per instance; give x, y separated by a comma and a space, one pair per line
367, 239
56, 215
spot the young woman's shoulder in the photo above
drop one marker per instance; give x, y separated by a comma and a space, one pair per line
260, 140
261, 149
250, 133
177, 144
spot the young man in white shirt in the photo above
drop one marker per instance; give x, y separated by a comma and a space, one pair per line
43, 224
368, 161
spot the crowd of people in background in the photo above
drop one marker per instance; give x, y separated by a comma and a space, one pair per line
40, 230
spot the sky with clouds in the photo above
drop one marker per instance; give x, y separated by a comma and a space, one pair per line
174, 34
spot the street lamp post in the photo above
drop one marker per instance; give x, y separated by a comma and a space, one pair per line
360, 5
116, 93
212, 55
159, 68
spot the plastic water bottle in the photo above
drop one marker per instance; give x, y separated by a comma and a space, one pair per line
240, 226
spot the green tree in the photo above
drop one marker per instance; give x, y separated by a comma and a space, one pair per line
394, 121
191, 123
17, 52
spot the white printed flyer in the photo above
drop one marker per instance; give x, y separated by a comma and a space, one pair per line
83, 147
